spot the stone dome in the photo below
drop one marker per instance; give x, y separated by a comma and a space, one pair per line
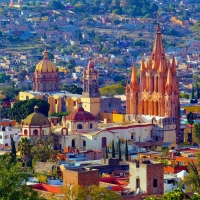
36, 118
80, 115
46, 65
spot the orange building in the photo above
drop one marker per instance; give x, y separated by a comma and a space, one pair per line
157, 94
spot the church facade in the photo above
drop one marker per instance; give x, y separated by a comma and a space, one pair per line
157, 96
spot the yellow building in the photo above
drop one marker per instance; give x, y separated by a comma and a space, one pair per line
191, 107
190, 138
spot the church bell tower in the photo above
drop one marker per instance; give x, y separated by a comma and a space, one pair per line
91, 95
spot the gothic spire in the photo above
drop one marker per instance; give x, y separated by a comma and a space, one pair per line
173, 65
158, 52
169, 83
134, 81
142, 68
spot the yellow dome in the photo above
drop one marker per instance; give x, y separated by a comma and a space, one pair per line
46, 65
36, 118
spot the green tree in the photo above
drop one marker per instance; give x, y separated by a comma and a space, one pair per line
106, 152
111, 90
191, 117
74, 89
113, 149
12, 176
118, 78
10, 92
56, 5
119, 150
192, 179
59, 114
4, 77
24, 147
197, 131
183, 95
22, 109
22, 74
43, 148
32, 69
126, 151
196, 28
13, 149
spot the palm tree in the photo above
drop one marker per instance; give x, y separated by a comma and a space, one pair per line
191, 117
24, 147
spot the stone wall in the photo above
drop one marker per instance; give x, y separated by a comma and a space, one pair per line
111, 103
44, 166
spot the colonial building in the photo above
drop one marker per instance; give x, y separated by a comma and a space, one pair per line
157, 96
91, 95
35, 125
46, 78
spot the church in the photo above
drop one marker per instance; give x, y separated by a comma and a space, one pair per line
152, 107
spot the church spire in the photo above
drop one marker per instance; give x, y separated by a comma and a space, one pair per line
142, 68
158, 52
173, 65
134, 81
169, 83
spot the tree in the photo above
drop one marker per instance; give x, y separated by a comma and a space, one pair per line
111, 90
4, 77
43, 148
191, 117
183, 95
56, 5
102, 193
32, 69
118, 78
106, 152
12, 177
22, 109
177, 194
59, 114
10, 92
197, 131
126, 151
113, 149
192, 179
24, 147
193, 92
13, 149
119, 150
74, 89
22, 74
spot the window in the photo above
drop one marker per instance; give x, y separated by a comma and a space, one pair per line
25, 132
12, 135
0, 136
74, 103
43, 132
35, 132
56, 101
90, 126
84, 143
137, 182
181, 163
79, 126
155, 182
27, 97
6, 137
104, 142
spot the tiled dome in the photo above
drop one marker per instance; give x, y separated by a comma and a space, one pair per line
80, 115
46, 65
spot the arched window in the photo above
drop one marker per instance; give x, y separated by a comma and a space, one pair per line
103, 141
137, 182
35, 132
84, 143
44, 85
25, 132
73, 143
91, 126
79, 126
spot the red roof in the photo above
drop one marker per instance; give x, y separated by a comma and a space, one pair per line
80, 115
